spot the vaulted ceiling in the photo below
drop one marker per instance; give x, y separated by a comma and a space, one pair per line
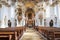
26, 2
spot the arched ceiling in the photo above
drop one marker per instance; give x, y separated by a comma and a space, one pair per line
34, 0
28, 3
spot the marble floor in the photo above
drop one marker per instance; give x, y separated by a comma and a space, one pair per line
31, 34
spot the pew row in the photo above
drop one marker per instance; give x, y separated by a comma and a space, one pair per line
51, 33
13, 33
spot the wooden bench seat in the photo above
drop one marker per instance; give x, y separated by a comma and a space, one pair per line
12, 33
3, 36
50, 32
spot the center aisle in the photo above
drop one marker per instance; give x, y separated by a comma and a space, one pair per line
31, 34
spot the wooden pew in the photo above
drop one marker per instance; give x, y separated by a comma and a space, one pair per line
15, 32
51, 33
6, 32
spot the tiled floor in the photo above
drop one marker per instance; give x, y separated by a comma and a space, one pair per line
31, 34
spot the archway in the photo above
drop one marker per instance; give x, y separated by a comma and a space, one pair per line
30, 14
19, 15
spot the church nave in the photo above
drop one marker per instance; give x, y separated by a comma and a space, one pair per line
32, 34
30, 19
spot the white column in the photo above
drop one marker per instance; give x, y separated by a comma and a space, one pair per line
3, 16
13, 16
23, 16
6, 17
23, 20
58, 15
9, 13
43, 19
0, 13
47, 15
51, 12
0, 17
36, 19
47, 11
36, 16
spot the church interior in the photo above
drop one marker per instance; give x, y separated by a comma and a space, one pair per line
29, 19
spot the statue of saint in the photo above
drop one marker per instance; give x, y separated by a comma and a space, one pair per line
9, 23
5, 21
51, 23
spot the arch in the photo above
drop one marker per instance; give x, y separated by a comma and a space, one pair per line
30, 14
19, 14
29, 11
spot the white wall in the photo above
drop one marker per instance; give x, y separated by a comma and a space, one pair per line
9, 12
